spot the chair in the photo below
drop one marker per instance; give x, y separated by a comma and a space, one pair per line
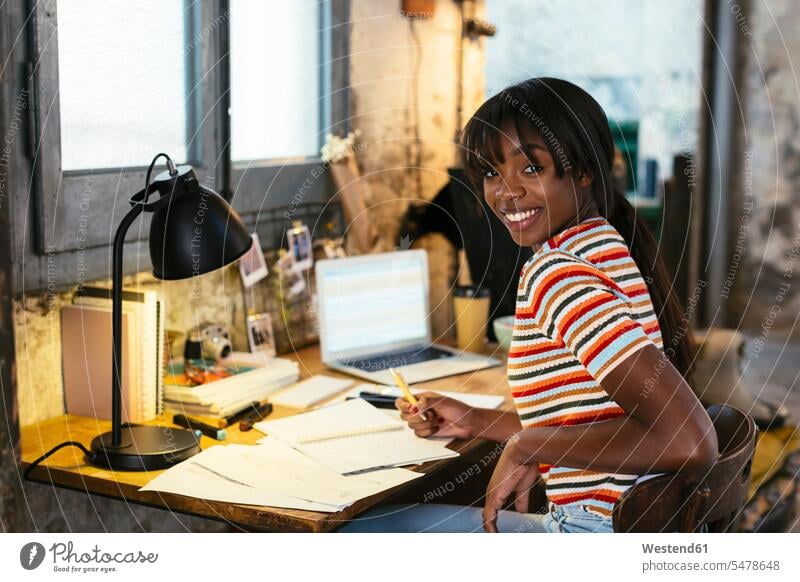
694, 501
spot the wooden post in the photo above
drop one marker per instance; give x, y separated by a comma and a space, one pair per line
11, 500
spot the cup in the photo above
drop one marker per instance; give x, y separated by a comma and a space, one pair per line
471, 309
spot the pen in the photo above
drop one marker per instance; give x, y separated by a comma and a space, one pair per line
377, 399
401, 383
193, 424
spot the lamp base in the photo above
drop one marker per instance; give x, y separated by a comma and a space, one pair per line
145, 448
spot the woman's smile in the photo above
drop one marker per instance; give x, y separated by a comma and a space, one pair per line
520, 218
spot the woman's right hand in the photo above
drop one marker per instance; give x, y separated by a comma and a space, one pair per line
446, 417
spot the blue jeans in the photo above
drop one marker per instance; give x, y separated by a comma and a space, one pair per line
439, 518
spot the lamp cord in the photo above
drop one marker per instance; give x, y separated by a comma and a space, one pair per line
170, 167
52, 451
89, 454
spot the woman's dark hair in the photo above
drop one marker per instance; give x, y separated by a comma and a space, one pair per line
575, 130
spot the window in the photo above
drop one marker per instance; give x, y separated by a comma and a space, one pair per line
283, 102
275, 93
122, 88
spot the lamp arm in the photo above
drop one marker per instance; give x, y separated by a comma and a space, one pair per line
116, 324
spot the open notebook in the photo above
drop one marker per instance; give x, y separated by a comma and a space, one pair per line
354, 436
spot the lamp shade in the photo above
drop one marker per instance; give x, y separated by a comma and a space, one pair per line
196, 231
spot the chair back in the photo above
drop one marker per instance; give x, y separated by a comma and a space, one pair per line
691, 501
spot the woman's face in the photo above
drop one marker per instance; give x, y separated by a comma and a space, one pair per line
529, 198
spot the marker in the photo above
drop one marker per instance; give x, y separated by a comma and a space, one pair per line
195, 425
253, 417
401, 383
247, 411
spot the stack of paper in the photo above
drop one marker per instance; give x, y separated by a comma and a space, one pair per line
354, 436
272, 474
230, 395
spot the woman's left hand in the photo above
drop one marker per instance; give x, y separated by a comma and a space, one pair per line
511, 477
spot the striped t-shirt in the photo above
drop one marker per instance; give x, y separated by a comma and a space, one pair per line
582, 308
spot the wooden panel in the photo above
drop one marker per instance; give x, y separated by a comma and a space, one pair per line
12, 505
68, 468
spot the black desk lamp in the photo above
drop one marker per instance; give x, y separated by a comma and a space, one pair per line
193, 231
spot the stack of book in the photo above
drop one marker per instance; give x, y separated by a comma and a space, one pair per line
86, 341
234, 389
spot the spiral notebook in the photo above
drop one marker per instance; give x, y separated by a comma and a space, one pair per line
354, 436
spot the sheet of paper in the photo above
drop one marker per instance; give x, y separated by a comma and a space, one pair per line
394, 413
352, 415
311, 391
386, 449
492, 401
193, 480
358, 452
276, 467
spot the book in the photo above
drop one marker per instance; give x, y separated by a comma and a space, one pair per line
148, 354
232, 387
86, 340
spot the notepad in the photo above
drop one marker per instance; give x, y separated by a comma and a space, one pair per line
311, 391
347, 419
360, 437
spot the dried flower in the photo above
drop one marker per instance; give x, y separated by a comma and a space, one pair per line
338, 148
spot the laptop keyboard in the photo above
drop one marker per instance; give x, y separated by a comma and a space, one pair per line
398, 359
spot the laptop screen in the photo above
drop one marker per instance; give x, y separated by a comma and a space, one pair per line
372, 301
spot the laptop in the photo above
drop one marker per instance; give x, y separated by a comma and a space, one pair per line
374, 315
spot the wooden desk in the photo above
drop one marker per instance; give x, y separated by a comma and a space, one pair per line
68, 468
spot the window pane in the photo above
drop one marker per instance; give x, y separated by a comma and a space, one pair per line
640, 60
122, 86
275, 86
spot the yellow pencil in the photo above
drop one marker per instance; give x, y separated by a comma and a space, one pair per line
401, 383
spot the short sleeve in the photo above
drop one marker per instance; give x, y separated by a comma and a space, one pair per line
574, 302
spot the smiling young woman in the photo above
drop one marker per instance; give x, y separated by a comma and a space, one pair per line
600, 403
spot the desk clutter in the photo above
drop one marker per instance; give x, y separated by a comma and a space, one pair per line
337, 448
322, 460
223, 389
